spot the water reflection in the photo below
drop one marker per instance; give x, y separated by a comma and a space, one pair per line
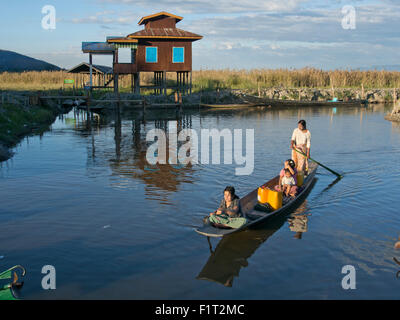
86, 179
396, 126
398, 262
298, 222
233, 252
128, 159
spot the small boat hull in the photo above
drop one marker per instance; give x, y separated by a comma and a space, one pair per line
227, 106
302, 103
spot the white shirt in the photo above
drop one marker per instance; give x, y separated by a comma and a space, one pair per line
288, 180
300, 138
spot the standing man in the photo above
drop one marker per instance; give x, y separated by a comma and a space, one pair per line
301, 140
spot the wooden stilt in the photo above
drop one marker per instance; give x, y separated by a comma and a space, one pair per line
137, 82
184, 83
164, 75
116, 89
91, 70
191, 82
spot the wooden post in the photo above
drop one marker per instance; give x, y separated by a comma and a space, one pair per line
115, 57
187, 83
159, 83
184, 83
201, 93
177, 81
362, 91
116, 83
119, 104
165, 82
132, 76
155, 82
91, 70
137, 83
88, 119
158, 90
191, 82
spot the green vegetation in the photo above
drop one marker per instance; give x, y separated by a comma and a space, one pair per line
17, 121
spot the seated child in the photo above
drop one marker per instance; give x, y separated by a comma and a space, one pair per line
287, 182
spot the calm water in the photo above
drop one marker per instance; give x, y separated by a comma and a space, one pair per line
113, 226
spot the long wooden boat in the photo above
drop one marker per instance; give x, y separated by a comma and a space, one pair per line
255, 217
302, 103
228, 106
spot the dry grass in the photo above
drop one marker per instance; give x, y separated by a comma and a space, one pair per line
211, 79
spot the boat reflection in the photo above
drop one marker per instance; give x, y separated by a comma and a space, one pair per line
233, 251
298, 221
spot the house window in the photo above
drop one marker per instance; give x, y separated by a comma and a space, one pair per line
178, 55
151, 55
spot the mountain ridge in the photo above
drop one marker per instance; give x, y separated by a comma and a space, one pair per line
11, 61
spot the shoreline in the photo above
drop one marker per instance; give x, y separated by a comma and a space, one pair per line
5, 153
18, 121
264, 96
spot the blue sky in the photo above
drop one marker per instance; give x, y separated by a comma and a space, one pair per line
237, 34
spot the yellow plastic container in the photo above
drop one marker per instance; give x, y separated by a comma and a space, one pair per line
262, 196
274, 198
300, 178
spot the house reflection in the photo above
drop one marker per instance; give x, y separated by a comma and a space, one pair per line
131, 160
126, 153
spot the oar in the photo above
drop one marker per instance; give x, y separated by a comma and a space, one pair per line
330, 170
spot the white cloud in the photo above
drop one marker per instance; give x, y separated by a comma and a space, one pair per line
271, 32
213, 6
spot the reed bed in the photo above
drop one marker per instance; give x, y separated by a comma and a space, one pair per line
226, 78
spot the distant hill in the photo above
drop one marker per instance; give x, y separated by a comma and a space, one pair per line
14, 62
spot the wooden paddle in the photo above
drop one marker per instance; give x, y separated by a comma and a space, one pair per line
330, 170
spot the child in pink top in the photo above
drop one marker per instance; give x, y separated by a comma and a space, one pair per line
291, 166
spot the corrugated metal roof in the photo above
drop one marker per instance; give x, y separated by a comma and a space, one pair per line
157, 15
173, 33
120, 40
97, 47
84, 67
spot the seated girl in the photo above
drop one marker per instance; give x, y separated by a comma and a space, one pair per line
287, 182
291, 166
228, 212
